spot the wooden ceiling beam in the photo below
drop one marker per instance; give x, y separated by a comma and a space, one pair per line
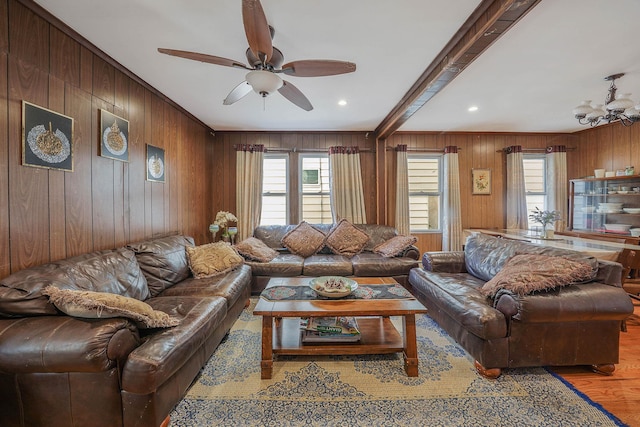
488, 22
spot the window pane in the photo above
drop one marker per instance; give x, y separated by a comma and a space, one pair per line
535, 183
274, 191
315, 200
424, 193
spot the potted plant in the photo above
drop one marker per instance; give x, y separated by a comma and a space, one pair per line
547, 219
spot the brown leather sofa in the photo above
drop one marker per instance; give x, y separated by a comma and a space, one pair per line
58, 370
326, 263
577, 324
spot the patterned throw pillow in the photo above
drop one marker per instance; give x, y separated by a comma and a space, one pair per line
304, 240
256, 250
526, 273
102, 305
394, 246
212, 259
346, 239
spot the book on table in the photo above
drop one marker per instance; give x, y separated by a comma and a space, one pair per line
329, 329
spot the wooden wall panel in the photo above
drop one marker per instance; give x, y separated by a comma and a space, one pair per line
4, 26
50, 214
5, 261
78, 196
28, 186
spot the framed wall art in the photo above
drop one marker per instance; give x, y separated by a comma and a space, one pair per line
481, 181
155, 164
114, 136
47, 138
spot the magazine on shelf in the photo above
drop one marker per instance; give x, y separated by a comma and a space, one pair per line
330, 329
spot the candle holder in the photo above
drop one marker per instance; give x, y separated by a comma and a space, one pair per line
232, 231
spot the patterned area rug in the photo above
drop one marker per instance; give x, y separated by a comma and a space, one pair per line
374, 390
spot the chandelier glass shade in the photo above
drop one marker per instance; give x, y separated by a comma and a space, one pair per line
263, 82
617, 107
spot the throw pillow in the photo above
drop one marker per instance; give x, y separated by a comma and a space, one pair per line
256, 250
304, 240
97, 305
212, 259
346, 239
527, 273
394, 246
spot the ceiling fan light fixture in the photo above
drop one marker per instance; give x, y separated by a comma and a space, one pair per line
263, 82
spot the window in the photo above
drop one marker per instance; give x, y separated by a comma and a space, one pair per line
275, 200
315, 198
425, 189
535, 168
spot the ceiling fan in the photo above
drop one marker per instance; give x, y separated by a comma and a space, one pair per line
266, 62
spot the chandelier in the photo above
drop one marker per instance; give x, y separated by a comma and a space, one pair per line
615, 108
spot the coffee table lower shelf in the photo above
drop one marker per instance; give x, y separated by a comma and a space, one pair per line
377, 336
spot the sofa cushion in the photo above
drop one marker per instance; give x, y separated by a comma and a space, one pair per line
485, 256
304, 240
115, 271
346, 239
97, 305
368, 264
327, 265
284, 265
212, 259
163, 261
256, 250
526, 273
395, 246
378, 234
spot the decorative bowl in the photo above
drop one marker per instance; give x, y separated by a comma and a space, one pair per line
618, 227
635, 232
632, 210
333, 286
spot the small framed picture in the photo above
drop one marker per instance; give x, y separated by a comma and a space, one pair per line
47, 138
155, 164
481, 181
114, 136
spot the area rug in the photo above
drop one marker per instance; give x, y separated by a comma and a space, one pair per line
374, 390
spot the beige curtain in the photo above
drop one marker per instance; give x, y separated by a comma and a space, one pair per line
516, 195
249, 160
402, 190
452, 212
557, 183
347, 196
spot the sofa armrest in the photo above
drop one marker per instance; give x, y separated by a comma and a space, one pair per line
65, 344
444, 262
411, 252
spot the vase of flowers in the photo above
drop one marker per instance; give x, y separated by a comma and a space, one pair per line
223, 219
547, 219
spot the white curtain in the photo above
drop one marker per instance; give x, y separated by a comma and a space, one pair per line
452, 211
347, 195
249, 160
402, 190
516, 195
557, 183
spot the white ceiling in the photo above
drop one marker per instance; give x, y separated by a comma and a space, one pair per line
528, 81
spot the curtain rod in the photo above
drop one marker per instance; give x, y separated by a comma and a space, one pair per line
535, 150
307, 150
421, 150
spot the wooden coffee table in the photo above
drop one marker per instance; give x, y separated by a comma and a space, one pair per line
281, 324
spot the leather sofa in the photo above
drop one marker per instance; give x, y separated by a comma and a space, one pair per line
570, 325
367, 263
59, 370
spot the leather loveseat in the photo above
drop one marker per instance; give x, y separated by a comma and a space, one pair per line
325, 261
59, 370
577, 324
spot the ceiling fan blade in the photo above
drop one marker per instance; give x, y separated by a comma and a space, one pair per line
257, 29
317, 68
294, 95
210, 59
237, 93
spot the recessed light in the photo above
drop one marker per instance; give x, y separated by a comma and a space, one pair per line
342, 102
472, 108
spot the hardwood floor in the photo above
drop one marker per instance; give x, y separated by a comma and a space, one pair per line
619, 393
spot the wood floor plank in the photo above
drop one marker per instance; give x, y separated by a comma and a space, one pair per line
619, 393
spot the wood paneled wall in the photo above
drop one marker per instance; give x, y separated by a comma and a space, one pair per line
47, 215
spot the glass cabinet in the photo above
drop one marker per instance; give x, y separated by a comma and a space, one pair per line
605, 205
